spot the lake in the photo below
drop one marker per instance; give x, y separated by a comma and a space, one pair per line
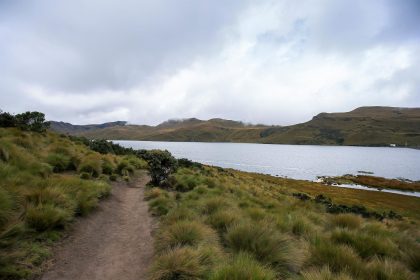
295, 161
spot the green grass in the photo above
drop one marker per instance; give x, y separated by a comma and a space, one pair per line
263, 232
243, 266
185, 233
37, 204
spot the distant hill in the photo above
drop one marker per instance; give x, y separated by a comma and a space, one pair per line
364, 126
69, 128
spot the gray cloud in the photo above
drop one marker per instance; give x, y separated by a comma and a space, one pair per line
260, 61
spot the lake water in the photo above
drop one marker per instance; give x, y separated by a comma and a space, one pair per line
295, 161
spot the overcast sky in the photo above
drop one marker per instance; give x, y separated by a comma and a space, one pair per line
273, 62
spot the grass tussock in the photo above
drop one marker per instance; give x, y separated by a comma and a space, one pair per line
324, 273
349, 221
243, 266
184, 263
185, 233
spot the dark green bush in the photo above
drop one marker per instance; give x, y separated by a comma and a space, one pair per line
85, 176
113, 177
161, 165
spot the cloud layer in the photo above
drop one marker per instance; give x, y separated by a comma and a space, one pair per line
275, 62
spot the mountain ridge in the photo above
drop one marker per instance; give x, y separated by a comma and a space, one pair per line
363, 126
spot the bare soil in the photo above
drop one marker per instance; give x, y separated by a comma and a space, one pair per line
114, 242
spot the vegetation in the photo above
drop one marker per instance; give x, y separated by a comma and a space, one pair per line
46, 180
258, 228
31, 121
365, 126
374, 182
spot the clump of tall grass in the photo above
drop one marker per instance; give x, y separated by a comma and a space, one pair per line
6, 206
365, 245
222, 220
91, 164
243, 266
339, 258
108, 166
386, 269
161, 205
4, 151
266, 243
180, 214
185, 263
124, 168
185, 233
302, 227
213, 204
324, 273
59, 162
154, 193
349, 221
42, 217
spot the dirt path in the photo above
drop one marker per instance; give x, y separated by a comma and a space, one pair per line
114, 242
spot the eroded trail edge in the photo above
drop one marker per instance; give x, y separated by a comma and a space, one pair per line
114, 242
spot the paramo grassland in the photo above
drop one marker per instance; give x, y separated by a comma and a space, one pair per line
46, 180
224, 224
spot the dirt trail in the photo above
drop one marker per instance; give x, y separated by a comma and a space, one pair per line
114, 242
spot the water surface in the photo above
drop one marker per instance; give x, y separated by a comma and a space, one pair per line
295, 161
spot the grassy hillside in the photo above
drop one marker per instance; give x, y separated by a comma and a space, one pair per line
47, 180
224, 224
365, 126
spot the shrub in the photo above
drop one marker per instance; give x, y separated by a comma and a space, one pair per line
184, 233
59, 162
113, 177
34, 121
46, 216
126, 178
243, 266
349, 221
103, 177
161, 165
184, 263
324, 274
265, 243
85, 176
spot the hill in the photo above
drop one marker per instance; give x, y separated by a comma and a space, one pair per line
364, 126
